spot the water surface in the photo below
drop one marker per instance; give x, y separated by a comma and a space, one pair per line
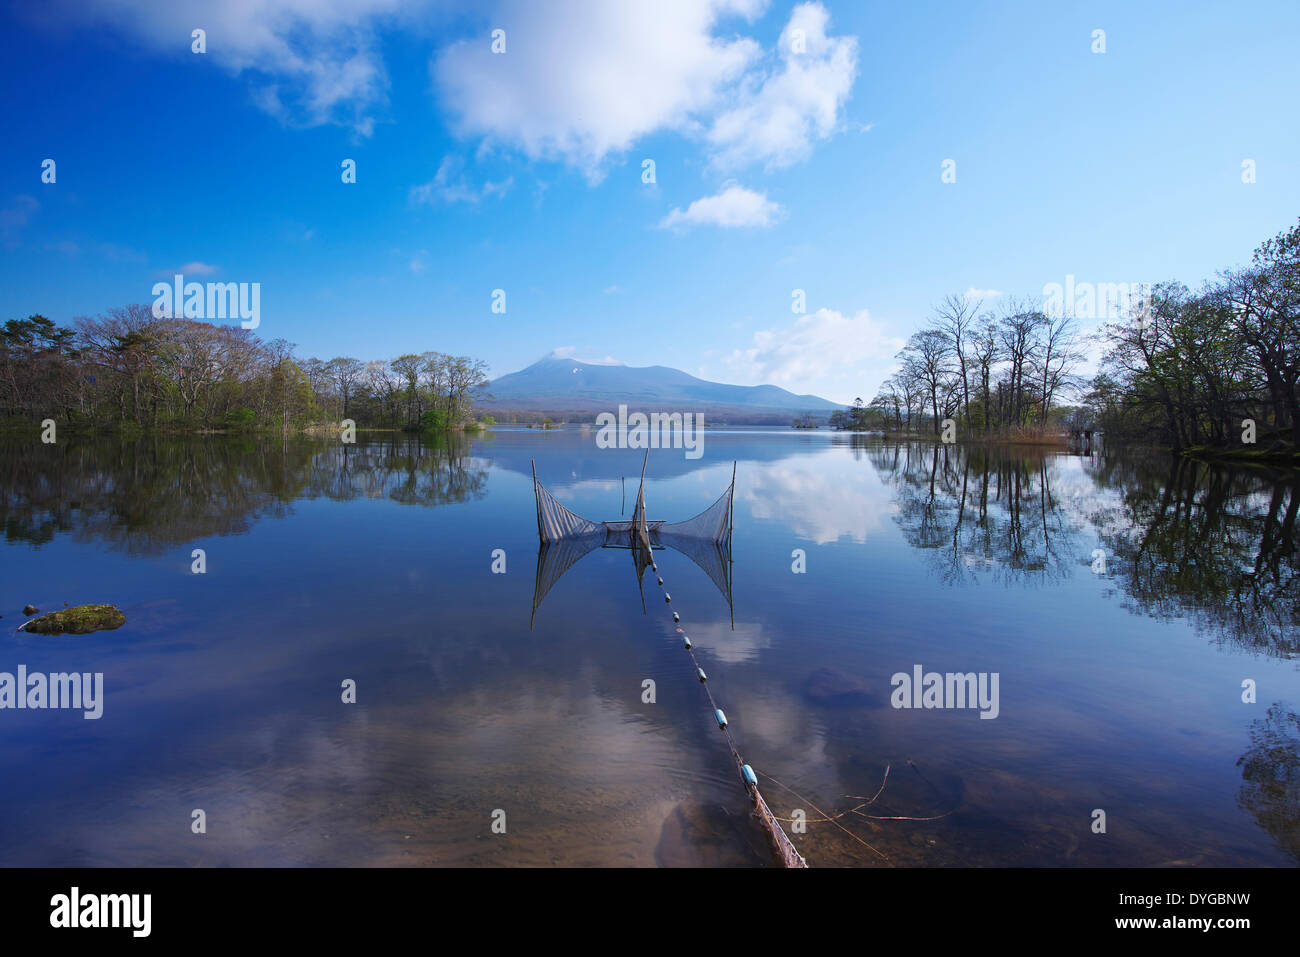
1120, 689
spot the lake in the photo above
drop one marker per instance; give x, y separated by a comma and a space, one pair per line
1120, 688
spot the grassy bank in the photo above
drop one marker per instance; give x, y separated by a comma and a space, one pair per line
1275, 453
33, 430
1043, 438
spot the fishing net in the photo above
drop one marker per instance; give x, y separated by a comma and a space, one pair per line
711, 525
706, 539
566, 537
555, 522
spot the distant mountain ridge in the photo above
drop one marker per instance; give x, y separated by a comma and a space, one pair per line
570, 387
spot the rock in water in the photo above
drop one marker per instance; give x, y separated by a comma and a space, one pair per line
31, 610
79, 620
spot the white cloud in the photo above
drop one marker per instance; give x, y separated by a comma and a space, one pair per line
777, 118
734, 206
581, 79
310, 63
744, 644
450, 185
825, 353
585, 79
973, 293
821, 499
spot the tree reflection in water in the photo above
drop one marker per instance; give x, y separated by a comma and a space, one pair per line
974, 508
147, 495
1182, 539
1270, 776
1214, 545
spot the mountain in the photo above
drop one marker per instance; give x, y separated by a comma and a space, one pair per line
581, 389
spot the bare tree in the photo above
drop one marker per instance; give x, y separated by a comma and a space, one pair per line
346, 374
1060, 355
985, 353
1017, 332
927, 358
955, 318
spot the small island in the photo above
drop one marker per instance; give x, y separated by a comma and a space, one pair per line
78, 620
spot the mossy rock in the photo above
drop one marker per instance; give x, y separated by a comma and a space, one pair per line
80, 620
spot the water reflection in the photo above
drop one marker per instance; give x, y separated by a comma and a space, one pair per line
974, 509
233, 702
1270, 776
1183, 539
1216, 546
148, 495
818, 504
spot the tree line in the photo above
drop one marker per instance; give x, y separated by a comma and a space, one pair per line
430, 390
129, 369
1217, 367
1214, 368
991, 371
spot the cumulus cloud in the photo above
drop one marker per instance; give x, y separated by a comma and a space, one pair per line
580, 80
734, 206
777, 119
584, 79
825, 352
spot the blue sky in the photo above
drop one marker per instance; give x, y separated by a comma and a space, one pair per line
816, 168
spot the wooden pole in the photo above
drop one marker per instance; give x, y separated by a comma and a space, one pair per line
537, 499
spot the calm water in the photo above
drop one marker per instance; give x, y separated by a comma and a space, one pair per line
1120, 691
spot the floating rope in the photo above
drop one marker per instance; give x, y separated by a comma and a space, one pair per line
783, 848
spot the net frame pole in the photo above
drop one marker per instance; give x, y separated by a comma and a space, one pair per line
731, 504
642, 530
731, 528
537, 502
